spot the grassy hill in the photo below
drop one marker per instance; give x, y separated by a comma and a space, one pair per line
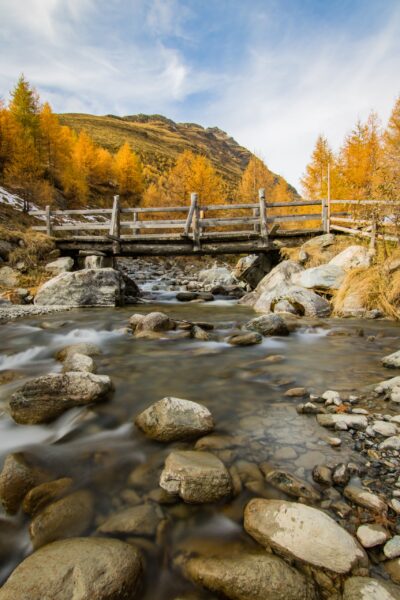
159, 140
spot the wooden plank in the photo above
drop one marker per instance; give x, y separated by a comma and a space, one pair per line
229, 206
296, 203
188, 223
294, 218
390, 238
226, 221
89, 211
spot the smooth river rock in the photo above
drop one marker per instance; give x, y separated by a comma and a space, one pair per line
241, 572
269, 325
61, 265
43, 399
365, 498
78, 569
195, 476
68, 517
172, 419
16, 479
324, 277
303, 533
392, 360
359, 422
142, 520
79, 362
292, 485
366, 588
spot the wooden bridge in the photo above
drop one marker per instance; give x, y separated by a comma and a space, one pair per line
140, 231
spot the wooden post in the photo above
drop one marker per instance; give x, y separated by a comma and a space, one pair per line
256, 215
263, 214
48, 220
115, 225
324, 215
328, 202
192, 209
135, 220
194, 199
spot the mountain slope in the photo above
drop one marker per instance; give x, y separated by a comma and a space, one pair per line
159, 140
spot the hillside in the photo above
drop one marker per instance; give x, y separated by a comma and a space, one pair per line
159, 140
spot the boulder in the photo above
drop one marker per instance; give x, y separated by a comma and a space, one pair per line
81, 348
320, 242
352, 257
79, 362
61, 265
304, 534
384, 428
366, 588
241, 572
43, 399
245, 339
94, 262
392, 360
153, 322
324, 277
89, 287
216, 275
253, 268
78, 568
68, 517
359, 422
173, 419
8, 277
16, 479
269, 325
195, 476
141, 520
280, 278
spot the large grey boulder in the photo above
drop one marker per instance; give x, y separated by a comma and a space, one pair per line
304, 534
221, 275
324, 277
280, 278
366, 588
241, 572
43, 399
195, 476
173, 419
352, 257
61, 265
89, 287
78, 568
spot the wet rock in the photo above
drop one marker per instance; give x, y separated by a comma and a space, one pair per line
175, 419
309, 408
392, 567
372, 535
352, 257
341, 474
391, 443
331, 397
292, 485
298, 392
186, 296
302, 533
80, 568
43, 399
245, 339
365, 498
154, 321
269, 325
240, 572
324, 277
61, 265
143, 519
366, 588
95, 262
392, 547
195, 476
79, 362
88, 287
322, 475
16, 479
82, 348
68, 517
392, 360
198, 333
358, 422
45, 493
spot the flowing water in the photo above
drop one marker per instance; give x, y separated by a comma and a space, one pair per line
99, 446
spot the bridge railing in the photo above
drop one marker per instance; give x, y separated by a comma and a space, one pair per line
260, 219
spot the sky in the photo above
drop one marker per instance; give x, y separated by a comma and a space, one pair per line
272, 73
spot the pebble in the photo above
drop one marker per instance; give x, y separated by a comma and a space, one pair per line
392, 547
372, 535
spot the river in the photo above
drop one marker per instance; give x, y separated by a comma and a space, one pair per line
98, 447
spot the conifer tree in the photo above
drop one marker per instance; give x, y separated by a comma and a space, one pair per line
256, 176
127, 169
391, 155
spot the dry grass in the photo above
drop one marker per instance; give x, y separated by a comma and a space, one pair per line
375, 288
35, 249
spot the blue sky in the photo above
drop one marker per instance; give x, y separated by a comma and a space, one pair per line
272, 73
